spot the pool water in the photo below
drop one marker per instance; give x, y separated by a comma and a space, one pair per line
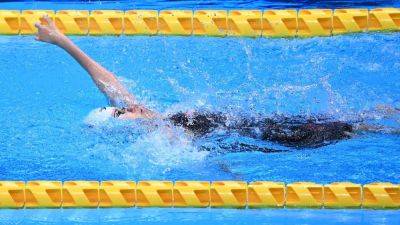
45, 98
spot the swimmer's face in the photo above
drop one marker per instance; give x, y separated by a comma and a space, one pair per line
100, 116
120, 113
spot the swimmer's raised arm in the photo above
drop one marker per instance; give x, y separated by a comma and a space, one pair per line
104, 79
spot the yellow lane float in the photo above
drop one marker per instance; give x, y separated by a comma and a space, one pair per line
43, 194
232, 194
381, 195
9, 22
314, 22
210, 22
245, 23
80, 194
349, 21
384, 19
220, 23
141, 22
342, 195
175, 22
12, 194
279, 23
117, 194
304, 195
264, 194
106, 22
154, 194
73, 22
191, 194
217, 194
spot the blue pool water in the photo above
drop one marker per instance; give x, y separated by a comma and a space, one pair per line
45, 97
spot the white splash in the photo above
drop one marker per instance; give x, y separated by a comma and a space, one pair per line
336, 101
162, 150
98, 117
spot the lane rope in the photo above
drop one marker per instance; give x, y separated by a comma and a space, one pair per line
216, 194
237, 23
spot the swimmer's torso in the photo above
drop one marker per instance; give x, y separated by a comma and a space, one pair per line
298, 132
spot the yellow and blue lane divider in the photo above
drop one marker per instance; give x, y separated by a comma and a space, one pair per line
246, 23
216, 194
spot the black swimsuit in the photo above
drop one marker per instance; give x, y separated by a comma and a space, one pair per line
296, 132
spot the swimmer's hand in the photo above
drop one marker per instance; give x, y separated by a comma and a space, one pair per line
49, 33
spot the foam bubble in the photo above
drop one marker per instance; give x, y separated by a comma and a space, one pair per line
162, 150
99, 116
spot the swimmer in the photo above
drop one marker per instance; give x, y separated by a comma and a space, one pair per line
297, 132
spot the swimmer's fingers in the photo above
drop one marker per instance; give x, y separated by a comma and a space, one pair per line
44, 34
49, 21
39, 26
47, 33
